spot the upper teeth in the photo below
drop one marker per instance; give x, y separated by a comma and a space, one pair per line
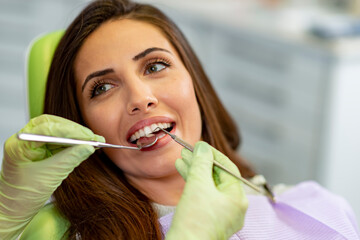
148, 130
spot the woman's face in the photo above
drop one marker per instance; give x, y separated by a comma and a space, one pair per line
131, 80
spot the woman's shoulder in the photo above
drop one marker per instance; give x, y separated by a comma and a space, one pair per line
307, 210
318, 195
47, 224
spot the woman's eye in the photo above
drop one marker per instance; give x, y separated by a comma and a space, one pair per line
102, 88
155, 67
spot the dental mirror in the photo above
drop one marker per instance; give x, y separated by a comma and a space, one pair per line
146, 142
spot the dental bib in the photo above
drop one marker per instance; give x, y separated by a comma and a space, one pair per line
307, 211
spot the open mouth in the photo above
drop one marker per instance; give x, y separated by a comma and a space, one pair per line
149, 131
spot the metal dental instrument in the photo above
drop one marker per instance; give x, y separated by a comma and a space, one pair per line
69, 141
266, 191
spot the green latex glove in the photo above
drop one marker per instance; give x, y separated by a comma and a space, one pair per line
213, 204
48, 224
32, 171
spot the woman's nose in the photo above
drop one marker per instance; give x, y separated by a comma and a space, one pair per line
141, 98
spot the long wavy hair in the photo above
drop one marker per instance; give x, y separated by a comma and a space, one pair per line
96, 198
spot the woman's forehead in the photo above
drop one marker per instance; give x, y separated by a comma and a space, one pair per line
115, 44
124, 36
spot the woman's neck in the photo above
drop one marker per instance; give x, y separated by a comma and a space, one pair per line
165, 190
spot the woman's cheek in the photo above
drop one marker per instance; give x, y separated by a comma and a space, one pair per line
101, 117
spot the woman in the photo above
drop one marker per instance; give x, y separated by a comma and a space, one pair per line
124, 69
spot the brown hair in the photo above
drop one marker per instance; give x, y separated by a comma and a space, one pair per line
96, 198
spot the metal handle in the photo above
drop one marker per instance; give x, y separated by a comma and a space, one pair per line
55, 140
191, 148
267, 191
253, 186
68, 141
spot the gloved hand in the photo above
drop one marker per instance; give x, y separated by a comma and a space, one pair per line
32, 171
213, 204
48, 224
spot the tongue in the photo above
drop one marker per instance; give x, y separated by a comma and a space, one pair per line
143, 141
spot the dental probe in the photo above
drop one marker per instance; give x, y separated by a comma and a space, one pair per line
186, 145
69, 141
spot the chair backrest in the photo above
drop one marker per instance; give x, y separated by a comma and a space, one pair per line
39, 58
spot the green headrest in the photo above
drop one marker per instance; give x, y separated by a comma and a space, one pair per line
39, 58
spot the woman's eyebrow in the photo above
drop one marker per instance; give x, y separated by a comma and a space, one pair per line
96, 74
147, 51
110, 70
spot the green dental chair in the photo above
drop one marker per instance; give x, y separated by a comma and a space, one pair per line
39, 57
47, 224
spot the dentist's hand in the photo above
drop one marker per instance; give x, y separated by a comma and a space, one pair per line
213, 204
31, 171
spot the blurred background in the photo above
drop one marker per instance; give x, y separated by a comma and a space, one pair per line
287, 70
